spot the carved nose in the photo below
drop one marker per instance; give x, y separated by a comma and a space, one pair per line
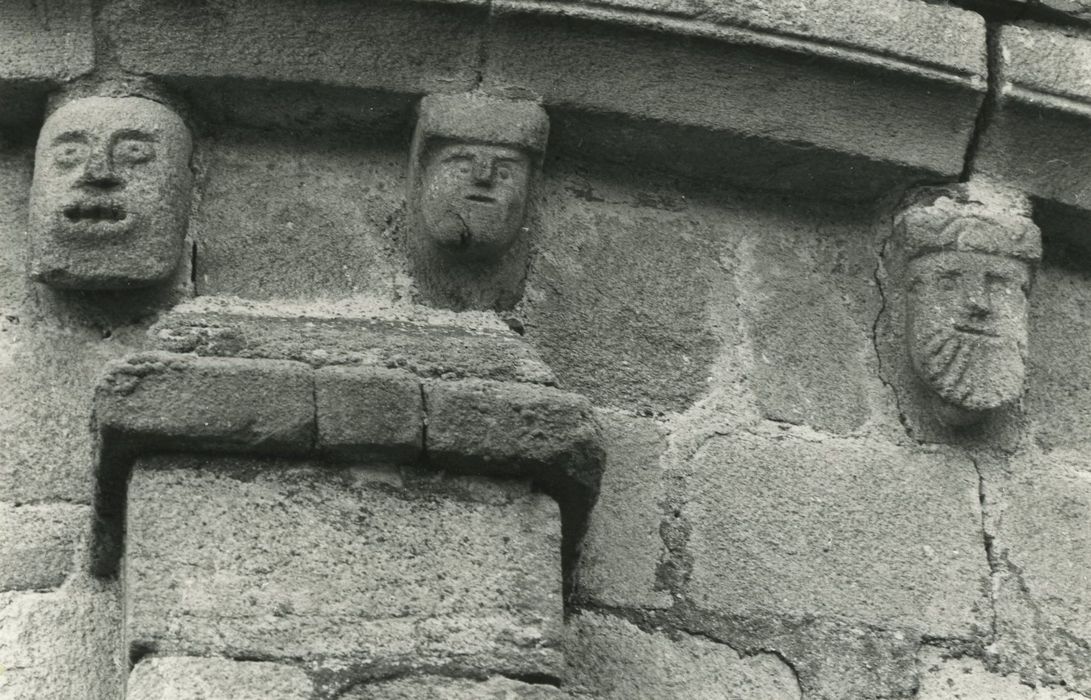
483, 172
99, 172
977, 303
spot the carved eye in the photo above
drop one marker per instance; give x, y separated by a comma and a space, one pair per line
69, 155
948, 280
503, 172
1000, 283
132, 152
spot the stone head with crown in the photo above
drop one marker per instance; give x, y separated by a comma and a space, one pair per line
972, 250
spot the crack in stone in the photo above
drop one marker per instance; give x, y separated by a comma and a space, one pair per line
879, 316
990, 553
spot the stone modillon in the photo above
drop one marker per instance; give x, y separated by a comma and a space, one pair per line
111, 194
972, 251
473, 165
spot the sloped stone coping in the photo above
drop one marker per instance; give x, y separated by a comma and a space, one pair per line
1037, 139
167, 402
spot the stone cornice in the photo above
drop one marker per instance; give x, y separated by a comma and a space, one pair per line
839, 99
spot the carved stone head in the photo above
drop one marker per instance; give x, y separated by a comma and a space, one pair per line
110, 200
971, 254
474, 160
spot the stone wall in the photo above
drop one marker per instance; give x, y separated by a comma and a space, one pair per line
710, 313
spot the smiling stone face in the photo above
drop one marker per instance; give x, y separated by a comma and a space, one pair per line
967, 316
111, 194
473, 198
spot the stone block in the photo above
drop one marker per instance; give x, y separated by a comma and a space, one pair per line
426, 342
64, 645
1036, 139
398, 46
622, 549
846, 79
288, 561
306, 218
193, 678
165, 401
949, 677
16, 168
46, 41
39, 544
512, 429
1076, 9
855, 530
48, 371
439, 688
1042, 547
1058, 368
368, 414
612, 658
606, 304
812, 359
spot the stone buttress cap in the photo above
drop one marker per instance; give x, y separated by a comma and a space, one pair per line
969, 218
479, 118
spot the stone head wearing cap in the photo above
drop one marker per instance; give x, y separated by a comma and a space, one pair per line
972, 251
473, 161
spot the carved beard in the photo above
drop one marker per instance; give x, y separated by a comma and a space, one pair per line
974, 372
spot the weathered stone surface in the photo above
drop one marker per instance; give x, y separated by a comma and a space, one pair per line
834, 528
64, 645
309, 218
514, 429
916, 112
163, 400
1042, 546
110, 203
622, 549
16, 168
39, 544
45, 40
473, 168
611, 658
400, 46
425, 342
1077, 9
832, 659
367, 414
1058, 369
1036, 139
48, 371
438, 688
194, 678
808, 356
952, 678
287, 561
603, 303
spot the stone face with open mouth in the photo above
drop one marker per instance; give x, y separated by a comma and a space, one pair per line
111, 194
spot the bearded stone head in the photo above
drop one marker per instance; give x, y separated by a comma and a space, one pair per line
971, 258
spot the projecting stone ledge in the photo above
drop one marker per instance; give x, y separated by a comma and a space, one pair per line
846, 99
166, 402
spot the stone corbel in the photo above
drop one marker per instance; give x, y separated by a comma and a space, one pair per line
473, 167
969, 253
110, 200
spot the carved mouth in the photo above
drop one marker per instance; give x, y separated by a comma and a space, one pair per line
976, 330
481, 198
107, 212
